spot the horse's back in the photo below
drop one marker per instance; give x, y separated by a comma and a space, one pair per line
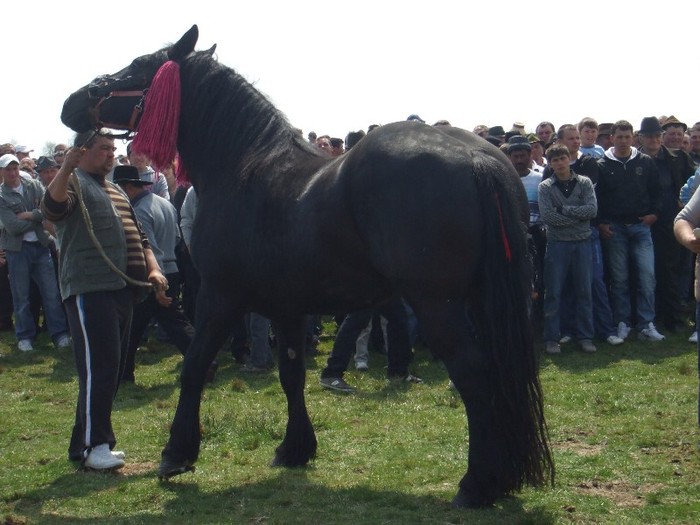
416, 203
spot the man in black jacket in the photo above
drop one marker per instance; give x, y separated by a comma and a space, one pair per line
629, 203
674, 166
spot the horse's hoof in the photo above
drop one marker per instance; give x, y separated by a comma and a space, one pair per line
284, 460
464, 500
277, 461
169, 468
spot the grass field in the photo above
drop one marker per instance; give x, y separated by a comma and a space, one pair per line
623, 425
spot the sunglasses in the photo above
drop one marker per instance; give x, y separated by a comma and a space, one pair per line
59, 154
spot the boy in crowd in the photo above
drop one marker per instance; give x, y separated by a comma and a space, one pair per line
567, 203
588, 128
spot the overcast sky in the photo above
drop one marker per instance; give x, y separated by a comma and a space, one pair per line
333, 67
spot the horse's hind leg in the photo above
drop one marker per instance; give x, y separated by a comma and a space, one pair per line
451, 338
299, 444
212, 326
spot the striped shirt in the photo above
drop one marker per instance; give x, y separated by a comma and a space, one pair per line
136, 260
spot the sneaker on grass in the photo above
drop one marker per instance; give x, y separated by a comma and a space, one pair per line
63, 342
25, 345
587, 346
336, 383
623, 330
650, 334
101, 458
614, 340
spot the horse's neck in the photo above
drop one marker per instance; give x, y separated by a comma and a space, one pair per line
240, 130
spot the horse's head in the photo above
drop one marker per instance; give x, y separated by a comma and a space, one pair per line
116, 101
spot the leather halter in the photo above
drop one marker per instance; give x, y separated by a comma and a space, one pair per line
100, 90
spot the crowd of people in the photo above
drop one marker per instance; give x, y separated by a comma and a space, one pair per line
604, 227
86, 235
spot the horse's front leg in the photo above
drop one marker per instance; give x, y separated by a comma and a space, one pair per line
212, 326
299, 444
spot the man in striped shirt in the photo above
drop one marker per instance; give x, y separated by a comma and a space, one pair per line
97, 294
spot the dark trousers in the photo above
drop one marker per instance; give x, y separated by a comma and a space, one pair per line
99, 324
171, 319
6, 307
399, 349
668, 270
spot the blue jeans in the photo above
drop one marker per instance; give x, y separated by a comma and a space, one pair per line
602, 314
562, 259
631, 244
33, 262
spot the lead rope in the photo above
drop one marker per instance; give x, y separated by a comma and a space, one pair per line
96, 242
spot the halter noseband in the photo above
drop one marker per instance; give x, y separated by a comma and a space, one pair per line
102, 90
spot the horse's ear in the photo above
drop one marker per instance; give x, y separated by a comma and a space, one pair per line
185, 45
211, 50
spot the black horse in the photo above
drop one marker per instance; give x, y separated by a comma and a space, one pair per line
432, 214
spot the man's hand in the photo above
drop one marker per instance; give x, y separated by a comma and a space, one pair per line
158, 280
163, 299
648, 220
72, 159
25, 215
605, 231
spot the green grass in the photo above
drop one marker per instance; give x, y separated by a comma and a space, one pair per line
623, 425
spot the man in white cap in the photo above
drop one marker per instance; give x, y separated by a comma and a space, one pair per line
22, 152
26, 242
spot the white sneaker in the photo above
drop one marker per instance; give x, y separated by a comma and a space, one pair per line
101, 458
623, 330
564, 339
63, 342
362, 366
587, 346
25, 345
650, 334
119, 454
693, 338
614, 340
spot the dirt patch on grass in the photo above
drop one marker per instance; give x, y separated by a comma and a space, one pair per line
621, 493
138, 469
578, 447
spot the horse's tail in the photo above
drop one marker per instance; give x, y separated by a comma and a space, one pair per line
505, 330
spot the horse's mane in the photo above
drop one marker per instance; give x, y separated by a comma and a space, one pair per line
227, 122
